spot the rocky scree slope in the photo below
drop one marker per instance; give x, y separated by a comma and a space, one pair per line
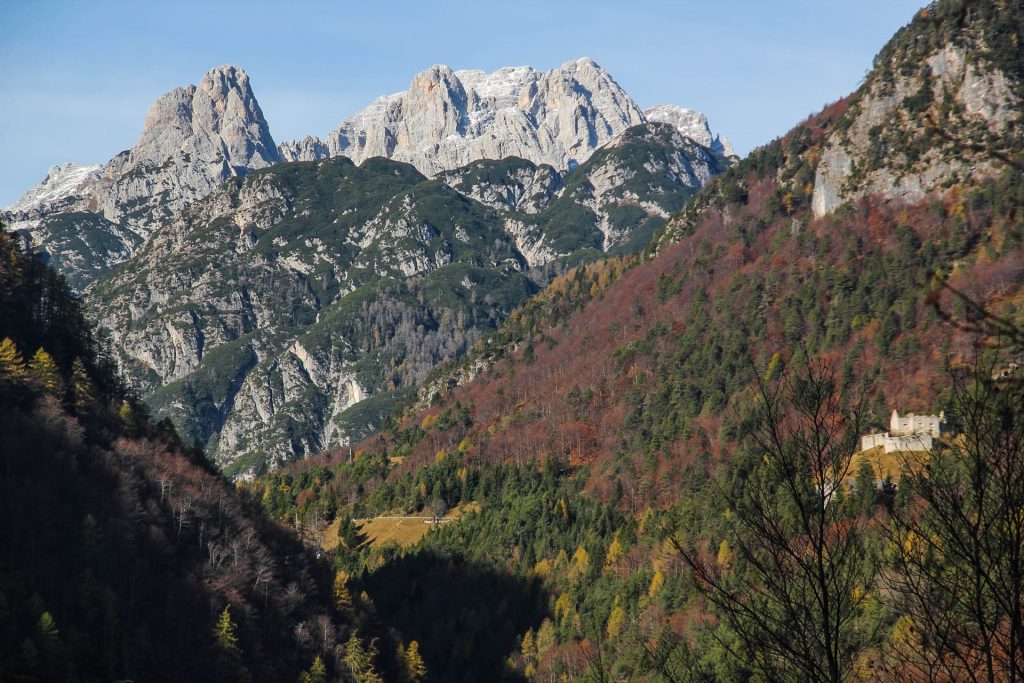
290, 309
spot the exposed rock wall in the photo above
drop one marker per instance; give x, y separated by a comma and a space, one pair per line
448, 119
193, 139
951, 102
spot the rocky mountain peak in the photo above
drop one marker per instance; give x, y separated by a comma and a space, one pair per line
193, 139
447, 119
219, 119
434, 107
691, 123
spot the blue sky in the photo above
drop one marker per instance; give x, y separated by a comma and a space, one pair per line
76, 77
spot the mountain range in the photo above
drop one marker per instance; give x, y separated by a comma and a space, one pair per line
272, 309
447, 119
90, 218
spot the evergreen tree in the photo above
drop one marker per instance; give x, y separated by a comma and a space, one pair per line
224, 633
863, 499
44, 370
83, 389
49, 647
359, 660
12, 365
48, 630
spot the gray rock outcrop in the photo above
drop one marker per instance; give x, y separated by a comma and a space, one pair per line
193, 139
447, 119
874, 154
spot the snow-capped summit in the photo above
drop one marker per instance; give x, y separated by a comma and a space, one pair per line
447, 119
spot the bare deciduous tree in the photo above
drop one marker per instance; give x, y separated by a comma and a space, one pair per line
958, 543
793, 585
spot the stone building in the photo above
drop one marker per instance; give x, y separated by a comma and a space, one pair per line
908, 432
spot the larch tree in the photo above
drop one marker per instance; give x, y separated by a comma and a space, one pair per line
415, 667
317, 672
359, 660
128, 417
224, 633
83, 389
342, 594
44, 371
12, 364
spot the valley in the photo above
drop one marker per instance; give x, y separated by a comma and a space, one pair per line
507, 378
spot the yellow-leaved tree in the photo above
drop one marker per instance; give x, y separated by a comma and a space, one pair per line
359, 660
44, 371
616, 620
317, 672
614, 553
12, 365
342, 595
415, 667
224, 633
83, 389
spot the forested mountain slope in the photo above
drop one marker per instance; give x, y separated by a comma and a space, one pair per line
292, 308
609, 417
123, 554
747, 269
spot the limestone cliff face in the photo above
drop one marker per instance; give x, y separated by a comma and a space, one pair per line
447, 119
912, 130
193, 139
